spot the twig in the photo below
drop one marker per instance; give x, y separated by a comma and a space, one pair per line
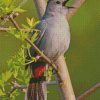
40, 53
8, 18
49, 79
4, 30
17, 86
9, 94
34, 46
90, 91
52, 83
14, 23
77, 4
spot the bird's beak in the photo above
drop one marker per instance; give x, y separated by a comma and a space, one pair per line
64, 4
70, 7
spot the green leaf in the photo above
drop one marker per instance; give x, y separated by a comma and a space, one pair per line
7, 75
8, 35
20, 80
29, 22
26, 73
27, 80
3, 76
22, 72
34, 24
36, 30
20, 10
15, 73
34, 37
1, 3
7, 84
28, 45
1, 93
25, 26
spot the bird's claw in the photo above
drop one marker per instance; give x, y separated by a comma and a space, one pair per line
39, 56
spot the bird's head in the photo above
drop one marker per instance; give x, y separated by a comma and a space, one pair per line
58, 6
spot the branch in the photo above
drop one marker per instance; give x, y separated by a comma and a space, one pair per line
77, 4
34, 46
90, 91
8, 18
49, 79
17, 86
41, 7
4, 30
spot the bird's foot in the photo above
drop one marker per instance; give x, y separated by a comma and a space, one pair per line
39, 56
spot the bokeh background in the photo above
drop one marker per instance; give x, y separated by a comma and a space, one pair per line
82, 57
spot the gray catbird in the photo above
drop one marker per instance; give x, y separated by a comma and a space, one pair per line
54, 40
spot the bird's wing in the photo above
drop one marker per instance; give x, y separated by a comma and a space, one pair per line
42, 27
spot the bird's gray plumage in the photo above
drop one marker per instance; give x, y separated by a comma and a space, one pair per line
54, 35
54, 26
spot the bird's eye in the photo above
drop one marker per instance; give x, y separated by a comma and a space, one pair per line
58, 2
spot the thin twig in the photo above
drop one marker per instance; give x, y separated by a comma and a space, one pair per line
4, 29
17, 86
14, 23
77, 4
34, 46
9, 94
8, 18
90, 91
49, 78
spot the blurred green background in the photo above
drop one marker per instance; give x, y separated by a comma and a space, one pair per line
83, 55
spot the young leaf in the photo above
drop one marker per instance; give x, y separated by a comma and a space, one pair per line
20, 80
1, 93
7, 75
34, 24
34, 37
25, 26
29, 22
27, 80
28, 45
26, 73
8, 35
20, 10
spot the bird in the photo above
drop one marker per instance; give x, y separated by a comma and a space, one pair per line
54, 40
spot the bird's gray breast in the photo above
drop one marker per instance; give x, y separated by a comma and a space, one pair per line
57, 37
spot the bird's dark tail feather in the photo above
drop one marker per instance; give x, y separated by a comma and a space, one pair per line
35, 90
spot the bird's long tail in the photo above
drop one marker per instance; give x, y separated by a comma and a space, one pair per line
37, 86
35, 91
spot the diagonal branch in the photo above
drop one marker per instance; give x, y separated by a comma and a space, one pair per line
77, 4
34, 46
90, 91
7, 18
4, 30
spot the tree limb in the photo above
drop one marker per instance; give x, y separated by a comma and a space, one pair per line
17, 86
77, 4
7, 18
4, 29
90, 91
41, 7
